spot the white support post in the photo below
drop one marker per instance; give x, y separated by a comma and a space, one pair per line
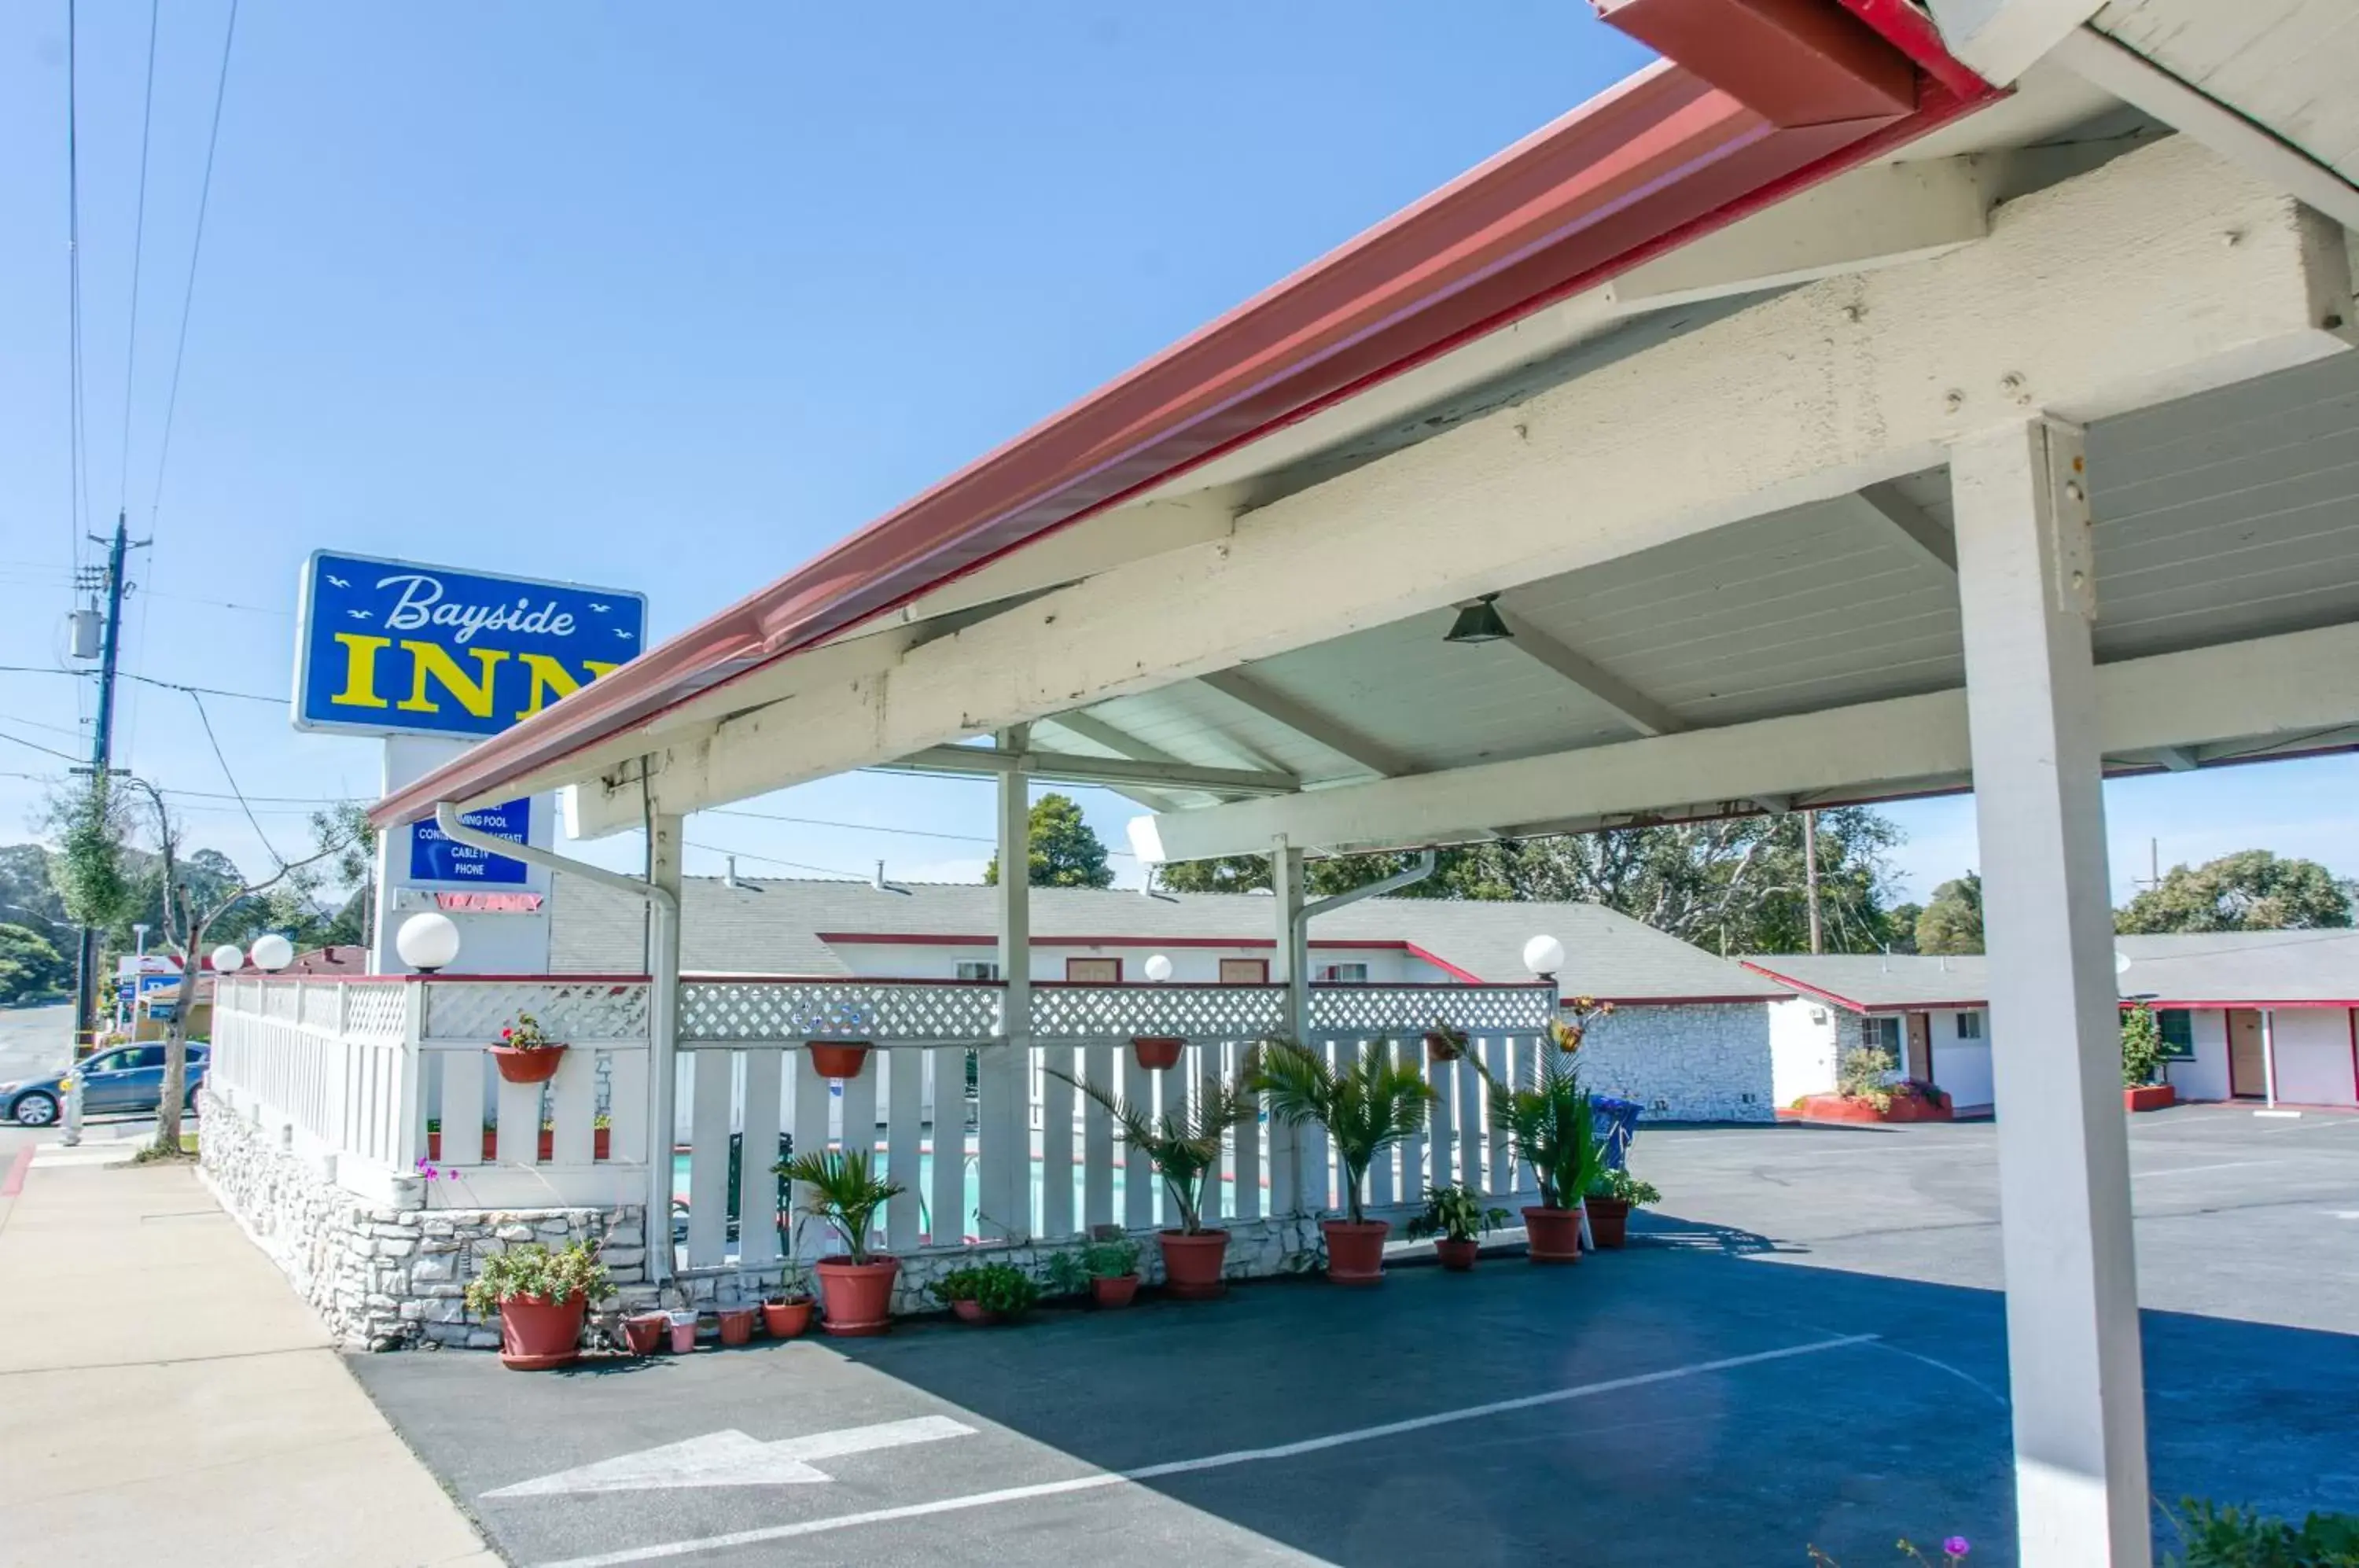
2269, 1055
2025, 592
1287, 1177
665, 847
1002, 1076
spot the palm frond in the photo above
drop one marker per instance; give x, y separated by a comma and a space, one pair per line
841, 1188
1184, 1143
1553, 1131
1366, 1106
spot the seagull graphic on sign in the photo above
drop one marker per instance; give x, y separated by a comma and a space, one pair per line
734, 1459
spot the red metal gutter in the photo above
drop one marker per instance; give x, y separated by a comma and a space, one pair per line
1758, 100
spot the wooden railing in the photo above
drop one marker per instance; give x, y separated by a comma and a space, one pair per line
382, 1074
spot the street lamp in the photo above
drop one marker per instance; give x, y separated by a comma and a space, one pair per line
427, 943
1544, 955
1157, 967
228, 959
272, 953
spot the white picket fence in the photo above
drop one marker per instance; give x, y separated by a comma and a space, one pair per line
988, 1140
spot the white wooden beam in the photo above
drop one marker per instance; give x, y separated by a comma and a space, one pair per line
1071, 767
2176, 758
1307, 722
1081, 549
2128, 75
1097, 732
2001, 39
1806, 396
1632, 706
1913, 523
2292, 685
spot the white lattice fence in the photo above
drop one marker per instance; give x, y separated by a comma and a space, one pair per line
1193, 1012
567, 1010
1411, 1011
880, 1012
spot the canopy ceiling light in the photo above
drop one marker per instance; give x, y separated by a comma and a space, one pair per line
1478, 622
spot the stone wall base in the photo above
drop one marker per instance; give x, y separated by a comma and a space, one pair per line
395, 1278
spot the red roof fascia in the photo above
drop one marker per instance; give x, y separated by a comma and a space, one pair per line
1651, 164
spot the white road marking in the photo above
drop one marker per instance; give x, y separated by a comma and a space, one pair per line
2190, 1169
1105, 1478
734, 1459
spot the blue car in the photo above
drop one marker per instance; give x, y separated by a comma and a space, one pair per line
126, 1080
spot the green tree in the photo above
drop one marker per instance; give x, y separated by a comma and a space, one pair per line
30, 965
1065, 851
2250, 890
1952, 922
1900, 927
1734, 885
28, 897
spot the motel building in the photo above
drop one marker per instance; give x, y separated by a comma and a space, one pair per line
1864, 400
2267, 1017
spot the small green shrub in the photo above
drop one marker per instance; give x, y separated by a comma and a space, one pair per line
2141, 1046
1865, 1073
2215, 1536
532, 1269
1110, 1258
1455, 1212
1620, 1183
1000, 1288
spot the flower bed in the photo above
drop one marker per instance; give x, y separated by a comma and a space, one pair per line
1904, 1107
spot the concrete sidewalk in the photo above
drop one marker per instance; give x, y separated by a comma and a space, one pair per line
164, 1397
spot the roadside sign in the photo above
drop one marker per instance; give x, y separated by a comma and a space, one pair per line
434, 857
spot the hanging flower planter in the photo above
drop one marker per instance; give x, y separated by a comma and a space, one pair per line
838, 1059
526, 1054
1444, 1042
1157, 1052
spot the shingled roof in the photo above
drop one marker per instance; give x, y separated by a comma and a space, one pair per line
793, 927
2237, 969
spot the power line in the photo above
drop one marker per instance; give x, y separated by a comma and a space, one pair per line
221, 757
138, 243
78, 472
773, 860
37, 745
196, 250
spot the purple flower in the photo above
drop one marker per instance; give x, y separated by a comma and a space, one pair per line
1957, 1546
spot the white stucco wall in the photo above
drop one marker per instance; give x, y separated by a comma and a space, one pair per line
2206, 1077
914, 961
1962, 1067
1802, 1048
1703, 1062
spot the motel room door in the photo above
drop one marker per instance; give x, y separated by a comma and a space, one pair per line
1921, 1047
2248, 1074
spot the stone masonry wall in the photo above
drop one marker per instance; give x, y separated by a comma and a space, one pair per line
1700, 1064
392, 1278
384, 1278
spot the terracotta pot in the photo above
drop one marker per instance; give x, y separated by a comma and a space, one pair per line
838, 1059
2149, 1097
1554, 1235
643, 1333
1157, 1052
1441, 1048
1192, 1264
683, 1331
1115, 1290
1456, 1255
972, 1311
736, 1324
1355, 1250
787, 1319
1609, 1221
528, 1066
857, 1297
537, 1332
433, 1146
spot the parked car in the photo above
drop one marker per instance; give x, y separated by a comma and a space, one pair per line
124, 1081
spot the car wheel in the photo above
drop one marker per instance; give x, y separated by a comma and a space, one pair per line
37, 1108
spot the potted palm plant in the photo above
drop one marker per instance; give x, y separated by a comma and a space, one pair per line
1555, 1135
1457, 1220
1612, 1194
1366, 1108
542, 1297
526, 1054
1107, 1268
1184, 1147
856, 1289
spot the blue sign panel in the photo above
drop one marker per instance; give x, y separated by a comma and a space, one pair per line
389, 647
435, 858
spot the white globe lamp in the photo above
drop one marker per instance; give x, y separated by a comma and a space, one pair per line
427, 943
1544, 955
272, 952
227, 959
1159, 968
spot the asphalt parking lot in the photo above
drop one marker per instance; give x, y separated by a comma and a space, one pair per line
1804, 1347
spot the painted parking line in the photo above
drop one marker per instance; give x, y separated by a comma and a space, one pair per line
1106, 1478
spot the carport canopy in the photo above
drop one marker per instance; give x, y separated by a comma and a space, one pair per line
1842, 408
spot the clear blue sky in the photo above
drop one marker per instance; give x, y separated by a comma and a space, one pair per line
667, 299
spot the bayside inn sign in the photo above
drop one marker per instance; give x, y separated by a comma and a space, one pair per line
388, 647
433, 660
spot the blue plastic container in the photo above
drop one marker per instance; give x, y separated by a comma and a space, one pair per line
1617, 1123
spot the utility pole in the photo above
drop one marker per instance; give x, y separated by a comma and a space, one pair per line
1810, 875
109, 583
